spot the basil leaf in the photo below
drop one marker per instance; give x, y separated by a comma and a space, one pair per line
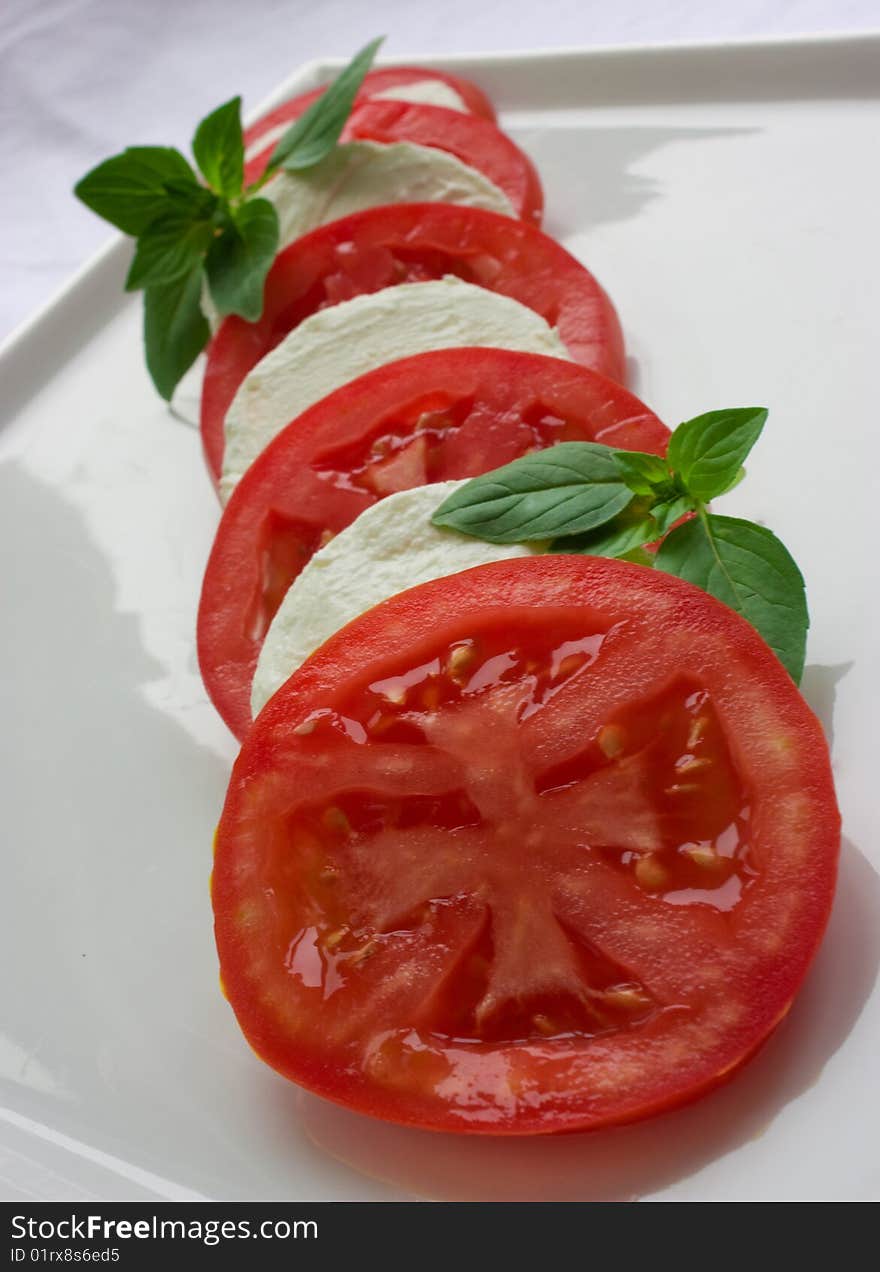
218, 146
172, 245
747, 568
707, 452
239, 259
189, 196
128, 190
627, 531
175, 330
311, 138
569, 488
641, 471
667, 511
638, 556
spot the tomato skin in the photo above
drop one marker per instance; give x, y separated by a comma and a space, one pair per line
764, 946
376, 81
494, 386
430, 239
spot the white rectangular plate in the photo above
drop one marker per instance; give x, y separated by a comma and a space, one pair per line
727, 197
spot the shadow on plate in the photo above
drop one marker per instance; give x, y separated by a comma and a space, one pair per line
819, 687
603, 189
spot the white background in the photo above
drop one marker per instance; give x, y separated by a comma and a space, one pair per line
80, 79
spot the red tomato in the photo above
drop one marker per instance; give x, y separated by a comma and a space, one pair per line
547, 845
436, 416
476, 142
377, 81
411, 242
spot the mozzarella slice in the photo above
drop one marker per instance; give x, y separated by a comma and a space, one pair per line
336, 344
390, 547
428, 92
369, 174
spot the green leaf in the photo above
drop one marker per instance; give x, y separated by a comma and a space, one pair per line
175, 330
218, 146
172, 245
239, 259
747, 568
189, 196
639, 556
621, 535
311, 138
641, 471
129, 190
568, 489
707, 452
667, 511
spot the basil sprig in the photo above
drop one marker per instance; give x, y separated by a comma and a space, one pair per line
207, 228
589, 498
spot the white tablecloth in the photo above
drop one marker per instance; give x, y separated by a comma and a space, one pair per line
80, 79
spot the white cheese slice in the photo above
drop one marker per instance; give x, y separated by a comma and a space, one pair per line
336, 344
369, 174
390, 547
428, 92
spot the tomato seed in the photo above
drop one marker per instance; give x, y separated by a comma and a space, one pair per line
333, 938
307, 727
544, 1025
650, 873
628, 999
335, 819
569, 665
461, 657
365, 952
705, 858
611, 740
690, 764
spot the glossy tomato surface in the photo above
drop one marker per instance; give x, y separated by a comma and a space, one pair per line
547, 845
402, 243
433, 417
376, 81
476, 142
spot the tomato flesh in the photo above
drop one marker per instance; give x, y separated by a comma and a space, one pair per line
405, 243
433, 417
547, 845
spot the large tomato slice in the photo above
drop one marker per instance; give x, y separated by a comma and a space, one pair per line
437, 416
378, 81
544, 846
411, 242
476, 142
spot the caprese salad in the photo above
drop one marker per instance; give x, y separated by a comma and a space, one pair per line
531, 830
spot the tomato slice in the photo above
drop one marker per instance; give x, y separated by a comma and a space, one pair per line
547, 845
377, 81
476, 142
411, 242
436, 416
